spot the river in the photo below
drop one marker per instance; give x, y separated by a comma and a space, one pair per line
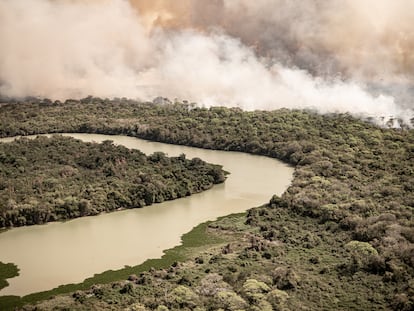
68, 252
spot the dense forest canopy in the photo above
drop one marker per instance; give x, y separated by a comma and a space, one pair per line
340, 237
48, 179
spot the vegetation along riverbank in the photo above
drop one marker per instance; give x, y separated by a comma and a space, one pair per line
48, 179
341, 236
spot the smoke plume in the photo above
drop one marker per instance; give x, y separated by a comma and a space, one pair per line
333, 56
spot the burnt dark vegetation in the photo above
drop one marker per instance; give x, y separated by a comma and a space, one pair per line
340, 237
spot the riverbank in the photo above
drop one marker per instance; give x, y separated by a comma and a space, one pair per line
199, 239
71, 258
7, 271
59, 178
348, 214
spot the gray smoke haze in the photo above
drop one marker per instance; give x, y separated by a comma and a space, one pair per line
333, 56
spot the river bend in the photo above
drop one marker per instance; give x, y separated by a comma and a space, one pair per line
68, 252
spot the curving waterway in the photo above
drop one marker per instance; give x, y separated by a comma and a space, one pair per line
68, 252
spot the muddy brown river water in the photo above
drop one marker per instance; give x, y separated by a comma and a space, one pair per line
68, 252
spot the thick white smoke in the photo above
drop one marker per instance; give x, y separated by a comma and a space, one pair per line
109, 48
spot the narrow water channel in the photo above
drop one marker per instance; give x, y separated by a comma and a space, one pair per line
68, 252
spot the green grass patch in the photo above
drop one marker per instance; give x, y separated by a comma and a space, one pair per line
233, 222
7, 271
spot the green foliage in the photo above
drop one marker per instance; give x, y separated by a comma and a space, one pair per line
230, 301
353, 182
361, 249
277, 298
362, 254
7, 271
47, 179
253, 285
255, 290
285, 278
182, 297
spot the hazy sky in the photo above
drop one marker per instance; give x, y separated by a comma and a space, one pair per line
335, 56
